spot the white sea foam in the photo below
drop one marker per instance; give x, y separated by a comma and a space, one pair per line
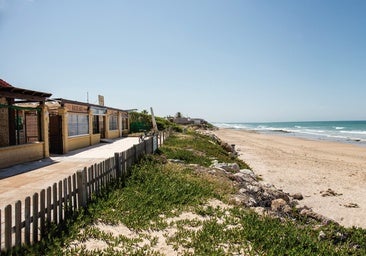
354, 132
347, 131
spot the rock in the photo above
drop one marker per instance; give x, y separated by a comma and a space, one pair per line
229, 167
340, 236
329, 192
240, 177
234, 166
278, 204
243, 191
351, 205
253, 189
252, 202
248, 172
297, 196
259, 210
177, 161
316, 216
322, 236
227, 147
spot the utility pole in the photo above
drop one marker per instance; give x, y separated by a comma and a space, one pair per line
155, 127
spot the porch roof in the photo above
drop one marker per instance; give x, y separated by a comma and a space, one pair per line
9, 91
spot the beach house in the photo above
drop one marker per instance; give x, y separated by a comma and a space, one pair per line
74, 125
33, 126
23, 125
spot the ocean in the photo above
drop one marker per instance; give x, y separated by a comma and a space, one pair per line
342, 131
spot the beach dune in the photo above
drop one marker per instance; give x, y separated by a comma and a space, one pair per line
330, 175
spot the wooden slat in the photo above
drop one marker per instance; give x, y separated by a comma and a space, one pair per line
35, 217
93, 178
8, 227
42, 212
18, 223
89, 185
74, 196
69, 197
49, 198
60, 201
66, 207
27, 219
123, 167
54, 203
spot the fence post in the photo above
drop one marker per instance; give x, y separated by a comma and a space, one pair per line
123, 169
27, 219
35, 218
18, 220
117, 162
135, 155
49, 217
145, 147
43, 211
82, 195
54, 197
60, 208
8, 226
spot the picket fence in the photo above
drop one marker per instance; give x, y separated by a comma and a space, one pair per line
26, 222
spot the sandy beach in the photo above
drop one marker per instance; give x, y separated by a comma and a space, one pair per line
330, 175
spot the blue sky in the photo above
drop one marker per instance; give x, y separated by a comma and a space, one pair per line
238, 61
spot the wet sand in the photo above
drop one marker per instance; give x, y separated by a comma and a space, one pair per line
330, 175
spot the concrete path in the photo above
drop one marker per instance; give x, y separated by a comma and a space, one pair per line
20, 181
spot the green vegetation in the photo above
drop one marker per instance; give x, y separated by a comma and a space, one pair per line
158, 195
194, 148
142, 122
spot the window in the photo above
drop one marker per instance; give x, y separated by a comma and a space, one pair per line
113, 122
78, 124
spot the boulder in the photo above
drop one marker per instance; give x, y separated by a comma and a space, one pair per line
297, 196
278, 205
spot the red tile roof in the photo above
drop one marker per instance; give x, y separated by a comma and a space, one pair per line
4, 84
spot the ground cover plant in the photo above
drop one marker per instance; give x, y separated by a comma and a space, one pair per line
168, 208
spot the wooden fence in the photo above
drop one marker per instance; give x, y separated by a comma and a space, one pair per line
26, 221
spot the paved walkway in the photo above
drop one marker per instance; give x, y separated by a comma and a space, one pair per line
24, 180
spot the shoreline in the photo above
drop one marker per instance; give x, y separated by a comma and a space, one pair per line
330, 175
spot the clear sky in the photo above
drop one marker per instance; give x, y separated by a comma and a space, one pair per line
227, 60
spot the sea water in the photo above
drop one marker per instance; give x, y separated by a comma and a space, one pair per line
342, 131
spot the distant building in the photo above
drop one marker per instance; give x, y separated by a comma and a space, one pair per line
187, 120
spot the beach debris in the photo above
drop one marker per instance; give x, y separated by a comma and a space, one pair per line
297, 196
351, 205
329, 192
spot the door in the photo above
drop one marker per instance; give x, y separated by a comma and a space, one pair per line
55, 134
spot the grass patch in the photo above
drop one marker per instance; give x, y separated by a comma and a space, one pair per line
152, 190
195, 148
